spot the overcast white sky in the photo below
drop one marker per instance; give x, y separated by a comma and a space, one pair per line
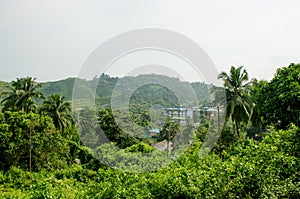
50, 39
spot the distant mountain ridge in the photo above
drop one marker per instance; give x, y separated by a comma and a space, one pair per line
105, 85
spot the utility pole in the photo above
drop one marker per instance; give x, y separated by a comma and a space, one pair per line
219, 122
31, 126
219, 125
30, 147
168, 142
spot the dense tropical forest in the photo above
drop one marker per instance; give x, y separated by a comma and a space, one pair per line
50, 150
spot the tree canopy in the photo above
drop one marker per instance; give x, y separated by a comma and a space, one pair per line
278, 101
59, 110
21, 95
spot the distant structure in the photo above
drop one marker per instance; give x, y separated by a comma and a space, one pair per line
182, 114
163, 146
154, 132
212, 111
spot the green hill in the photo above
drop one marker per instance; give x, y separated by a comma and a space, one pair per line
150, 93
62, 87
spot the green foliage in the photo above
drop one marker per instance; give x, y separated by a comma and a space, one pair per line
3, 88
258, 97
227, 139
267, 169
169, 131
239, 106
59, 110
62, 87
152, 94
140, 147
112, 130
237, 168
21, 95
87, 125
105, 85
83, 155
19, 132
278, 101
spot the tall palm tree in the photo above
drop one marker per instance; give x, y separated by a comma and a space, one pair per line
169, 131
59, 110
20, 95
238, 102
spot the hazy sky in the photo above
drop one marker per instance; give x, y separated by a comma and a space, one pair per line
50, 39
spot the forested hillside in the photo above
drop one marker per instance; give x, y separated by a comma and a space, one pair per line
106, 84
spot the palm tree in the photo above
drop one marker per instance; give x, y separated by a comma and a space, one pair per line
169, 131
59, 110
21, 95
238, 102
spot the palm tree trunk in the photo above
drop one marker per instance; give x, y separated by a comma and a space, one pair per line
233, 124
237, 128
168, 142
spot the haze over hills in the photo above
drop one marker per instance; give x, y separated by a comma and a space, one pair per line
152, 92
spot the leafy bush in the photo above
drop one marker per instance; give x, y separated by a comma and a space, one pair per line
24, 134
140, 147
252, 169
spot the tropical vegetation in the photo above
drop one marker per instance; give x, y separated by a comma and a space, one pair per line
47, 150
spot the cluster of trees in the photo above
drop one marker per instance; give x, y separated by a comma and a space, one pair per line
278, 102
31, 141
259, 104
36, 132
267, 169
23, 94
